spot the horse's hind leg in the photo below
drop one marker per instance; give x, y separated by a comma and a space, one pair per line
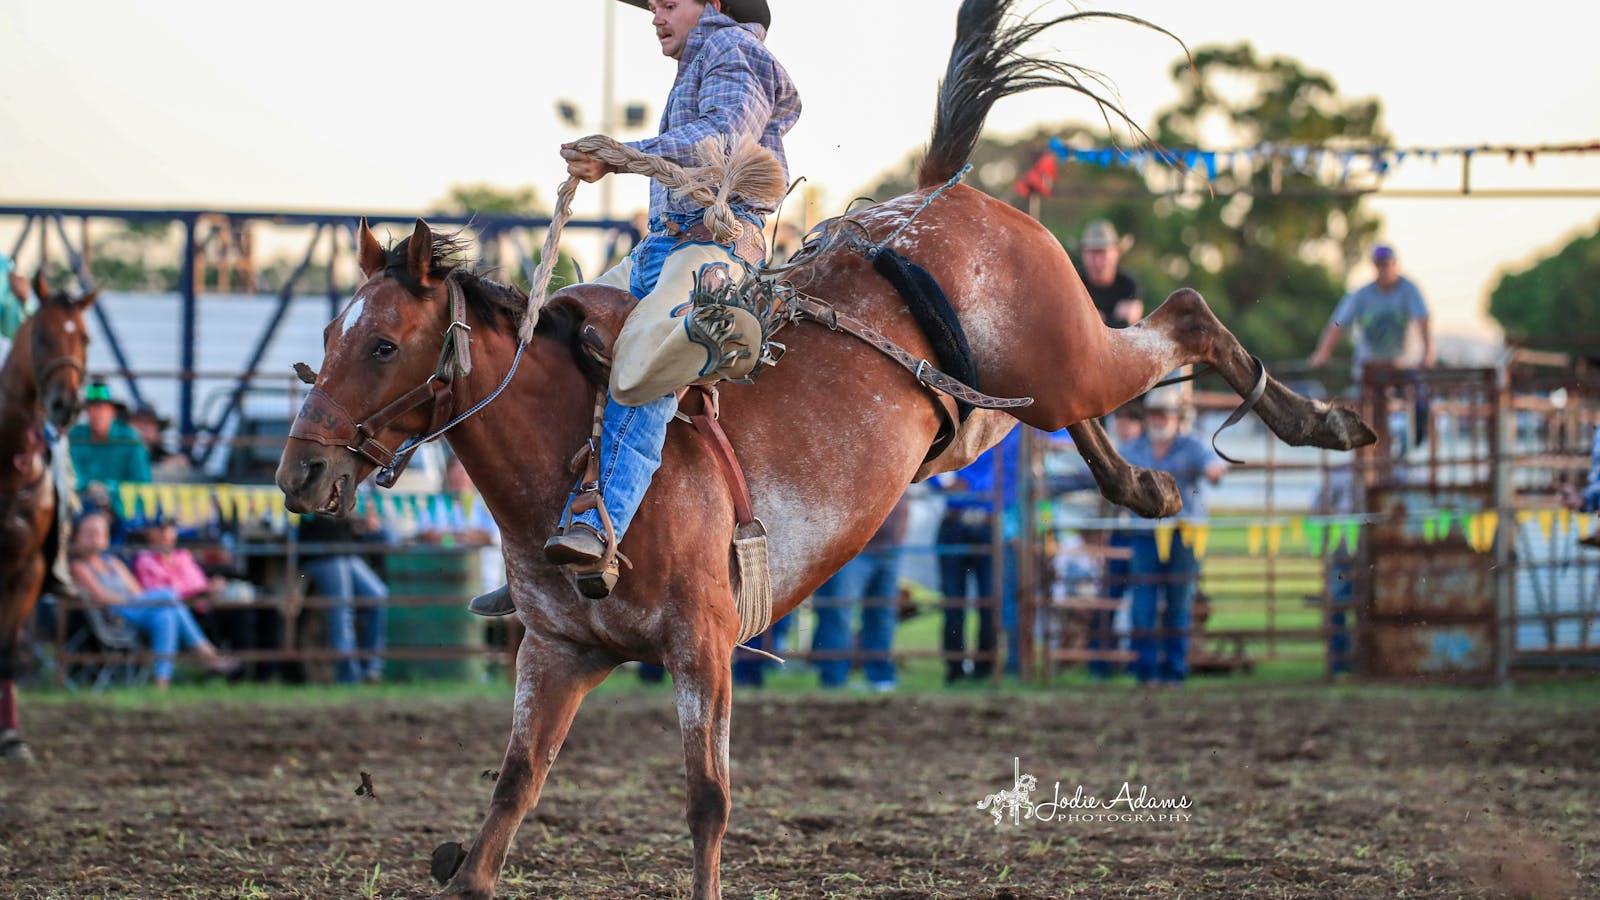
1299, 421
552, 680
12, 746
705, 701
1149, 492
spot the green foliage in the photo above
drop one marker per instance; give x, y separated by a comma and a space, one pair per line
491, 200
1552, 298
1273, 265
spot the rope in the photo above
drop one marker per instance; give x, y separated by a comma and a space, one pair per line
878, 247
745, 169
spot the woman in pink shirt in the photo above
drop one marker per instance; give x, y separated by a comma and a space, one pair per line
164, 565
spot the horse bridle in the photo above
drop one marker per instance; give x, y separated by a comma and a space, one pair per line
324, 420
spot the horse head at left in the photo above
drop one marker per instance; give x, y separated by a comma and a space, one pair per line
378, 379
58, 343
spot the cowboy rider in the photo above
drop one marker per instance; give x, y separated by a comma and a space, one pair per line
727, 85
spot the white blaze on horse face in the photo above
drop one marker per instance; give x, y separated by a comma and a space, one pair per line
69, 326
352, 315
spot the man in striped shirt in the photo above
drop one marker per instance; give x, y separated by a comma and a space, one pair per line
728, 85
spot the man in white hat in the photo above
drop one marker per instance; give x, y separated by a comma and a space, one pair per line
1115, 293
728, 85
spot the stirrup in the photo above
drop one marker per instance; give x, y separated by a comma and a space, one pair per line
595, 580
493, 603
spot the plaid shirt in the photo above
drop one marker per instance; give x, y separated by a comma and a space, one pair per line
727, 84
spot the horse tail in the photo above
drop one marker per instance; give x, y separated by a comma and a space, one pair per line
987, 63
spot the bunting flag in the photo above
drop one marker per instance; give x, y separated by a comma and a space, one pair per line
1199, 536
1297, 530
1163, 535
1253, 538
1305, 159
129, 495
1547, 523
1274, 539
1316, 537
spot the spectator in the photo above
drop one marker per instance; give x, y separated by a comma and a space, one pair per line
157, 613
341, 575
1115, 293
1384, 313
1163, 589
164, 565
871, 580
969, 571
1587, 500
106, 451
1129, 426
13, 300
150, 425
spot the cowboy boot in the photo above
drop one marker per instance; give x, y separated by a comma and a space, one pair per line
493, 603
582, 549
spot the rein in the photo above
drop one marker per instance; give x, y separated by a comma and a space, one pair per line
324, 420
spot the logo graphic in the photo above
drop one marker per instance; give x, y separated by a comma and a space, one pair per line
1018, 804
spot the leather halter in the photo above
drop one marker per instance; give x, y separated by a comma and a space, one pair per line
324, 420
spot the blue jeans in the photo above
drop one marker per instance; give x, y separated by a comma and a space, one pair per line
632, 436
1102, 622
166, 623
955, 570
1162, 595
345, 578
871, 580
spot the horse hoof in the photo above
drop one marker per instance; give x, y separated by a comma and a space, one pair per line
1342, 429
447, 858
14, 749
1154, 495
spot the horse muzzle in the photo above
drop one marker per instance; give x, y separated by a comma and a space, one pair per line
311, 484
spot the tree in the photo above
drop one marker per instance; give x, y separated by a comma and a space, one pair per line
1272, 264
1553, 297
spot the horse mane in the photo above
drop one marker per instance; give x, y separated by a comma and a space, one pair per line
502, 306
987, 63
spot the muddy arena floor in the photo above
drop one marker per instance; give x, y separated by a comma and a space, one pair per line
1294, 792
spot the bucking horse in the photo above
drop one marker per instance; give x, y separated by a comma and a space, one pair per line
828, 439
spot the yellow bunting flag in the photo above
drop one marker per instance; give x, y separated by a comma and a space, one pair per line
1547, 522
1253, 537
1163, 535
147, 498
1198, 537
1563, 521
1274, 539
1491, 527
1585, 525
224, 498
1475, 533
129, 495
169, 501
1297, 530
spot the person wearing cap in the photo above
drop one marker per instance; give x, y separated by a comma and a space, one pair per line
728, 85
106, 450
1384, 313
150, 424
1115, 293
157, 614
1162, 586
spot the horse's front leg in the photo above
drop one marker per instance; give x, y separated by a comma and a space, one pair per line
552, 680
1149, 492
704, 685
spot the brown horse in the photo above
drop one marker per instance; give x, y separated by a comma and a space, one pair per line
41, 389
829, 439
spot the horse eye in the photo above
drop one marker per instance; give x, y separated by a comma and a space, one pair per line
383, 351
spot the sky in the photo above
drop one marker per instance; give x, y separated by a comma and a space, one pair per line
363, 108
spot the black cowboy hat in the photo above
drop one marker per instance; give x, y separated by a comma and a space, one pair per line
738, 10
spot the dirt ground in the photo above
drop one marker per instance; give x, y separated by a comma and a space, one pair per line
1294, 793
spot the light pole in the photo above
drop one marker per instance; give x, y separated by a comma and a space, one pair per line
633, 113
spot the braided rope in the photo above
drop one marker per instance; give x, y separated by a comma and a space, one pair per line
746, 170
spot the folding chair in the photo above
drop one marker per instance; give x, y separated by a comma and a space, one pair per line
101, 632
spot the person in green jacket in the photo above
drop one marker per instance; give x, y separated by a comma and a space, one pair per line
13, 300
106, 450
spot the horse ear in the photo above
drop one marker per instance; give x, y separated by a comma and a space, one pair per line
87, 300
419, 254
40, 289
371, 253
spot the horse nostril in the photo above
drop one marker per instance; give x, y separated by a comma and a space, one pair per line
314, 469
